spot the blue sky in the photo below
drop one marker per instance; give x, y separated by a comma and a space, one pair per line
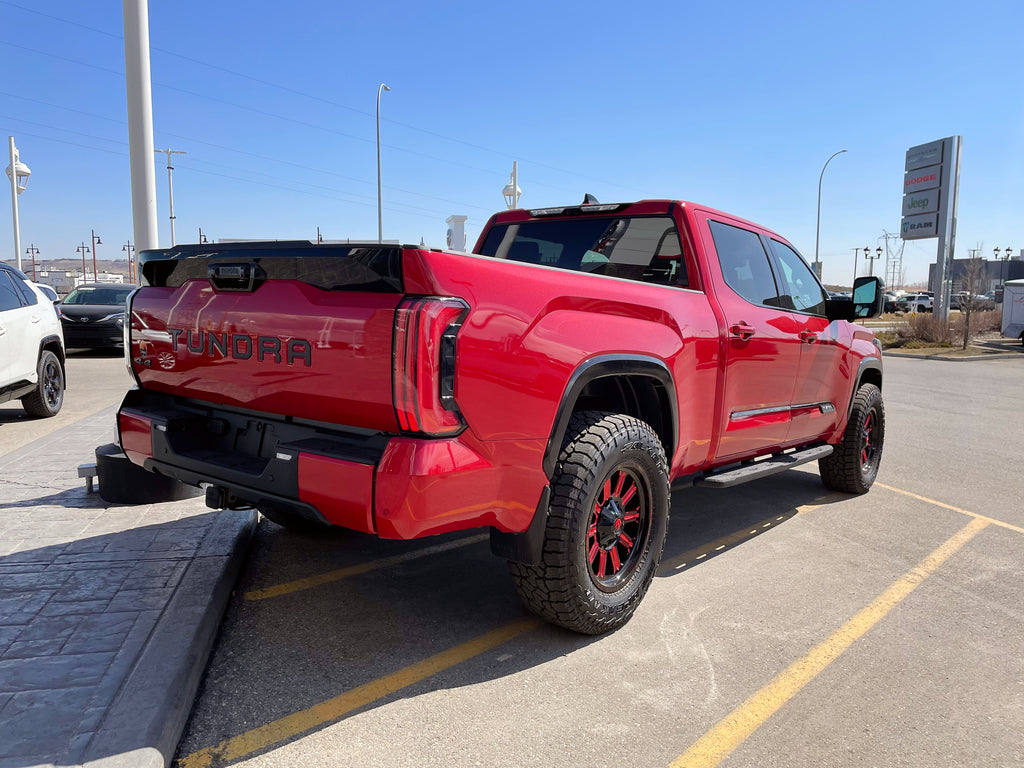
736, 106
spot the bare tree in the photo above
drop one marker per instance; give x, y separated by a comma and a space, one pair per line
971, 282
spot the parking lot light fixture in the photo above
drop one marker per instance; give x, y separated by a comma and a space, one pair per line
817, 232
95, 241
18, 173
33, 251
128, 248
83, 249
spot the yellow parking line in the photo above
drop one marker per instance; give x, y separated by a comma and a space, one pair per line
299, 722
950, 507
354, 570
718, 743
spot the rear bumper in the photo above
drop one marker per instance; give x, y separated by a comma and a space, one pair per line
395, 486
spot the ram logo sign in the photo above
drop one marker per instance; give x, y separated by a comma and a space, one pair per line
917, 227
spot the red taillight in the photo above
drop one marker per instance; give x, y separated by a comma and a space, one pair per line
424, 364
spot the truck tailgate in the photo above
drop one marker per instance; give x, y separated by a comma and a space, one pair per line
304, 339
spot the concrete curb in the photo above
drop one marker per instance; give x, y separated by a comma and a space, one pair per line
143, 725
967, 359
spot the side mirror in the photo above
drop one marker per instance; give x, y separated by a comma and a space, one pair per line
868, 297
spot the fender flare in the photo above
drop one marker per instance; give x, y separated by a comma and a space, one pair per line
870, 363
605, 366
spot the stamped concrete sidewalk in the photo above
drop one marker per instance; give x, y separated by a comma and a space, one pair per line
107, 612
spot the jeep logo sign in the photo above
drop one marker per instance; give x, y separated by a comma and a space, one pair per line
921, 202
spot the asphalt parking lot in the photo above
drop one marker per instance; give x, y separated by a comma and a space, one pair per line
787, 626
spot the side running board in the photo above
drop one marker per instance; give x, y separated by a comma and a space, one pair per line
754, 470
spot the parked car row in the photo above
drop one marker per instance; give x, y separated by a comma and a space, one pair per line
36, 328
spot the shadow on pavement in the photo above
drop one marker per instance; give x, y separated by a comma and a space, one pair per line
283, 663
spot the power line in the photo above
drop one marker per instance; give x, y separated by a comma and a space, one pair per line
313, 97
265, 158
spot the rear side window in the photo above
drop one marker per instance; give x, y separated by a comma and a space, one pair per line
8, 293
642, 248
745, 264
28, 296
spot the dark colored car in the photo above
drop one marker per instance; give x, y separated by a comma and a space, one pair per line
93, 315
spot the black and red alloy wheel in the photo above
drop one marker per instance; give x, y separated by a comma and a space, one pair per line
867, 446
618, 527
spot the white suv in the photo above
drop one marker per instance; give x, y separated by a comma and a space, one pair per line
31, 346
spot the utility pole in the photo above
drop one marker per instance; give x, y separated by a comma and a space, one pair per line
170, 184
32, 250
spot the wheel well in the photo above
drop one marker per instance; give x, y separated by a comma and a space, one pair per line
871, 376
52, 344
642, 397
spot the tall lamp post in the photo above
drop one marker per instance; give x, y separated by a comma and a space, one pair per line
170, 184
1004, 259
83, 249
128, 248
380, 216
18, 173
871, 260
95, 241
32, 250
511, 192
817, 232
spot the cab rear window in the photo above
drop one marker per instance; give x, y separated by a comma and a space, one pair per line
642, 248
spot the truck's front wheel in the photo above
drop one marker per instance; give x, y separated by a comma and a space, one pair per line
853, 465
606, 525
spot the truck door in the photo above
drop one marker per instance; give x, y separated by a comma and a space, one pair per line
819, 380
762, 346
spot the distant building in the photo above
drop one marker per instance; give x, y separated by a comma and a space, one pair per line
61, 280
993, 273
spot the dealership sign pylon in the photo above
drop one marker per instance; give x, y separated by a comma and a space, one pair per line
931, 182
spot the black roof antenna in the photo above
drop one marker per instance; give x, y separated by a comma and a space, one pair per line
589, 199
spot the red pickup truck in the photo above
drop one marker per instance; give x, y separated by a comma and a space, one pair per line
552, 386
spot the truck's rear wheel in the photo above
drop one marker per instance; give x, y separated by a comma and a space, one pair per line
606, 525
853, 465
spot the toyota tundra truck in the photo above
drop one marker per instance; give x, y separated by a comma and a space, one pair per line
553, 386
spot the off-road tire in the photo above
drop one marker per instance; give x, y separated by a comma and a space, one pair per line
46, 399
580, 584
853, 465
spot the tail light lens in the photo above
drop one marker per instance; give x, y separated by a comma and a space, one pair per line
424, 364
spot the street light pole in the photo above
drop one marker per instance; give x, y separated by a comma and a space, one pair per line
33, 250
817, 231
128, 248
1004, 259
170, 184
380, 215
18, 173
95, 241
83, 249
871, 260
